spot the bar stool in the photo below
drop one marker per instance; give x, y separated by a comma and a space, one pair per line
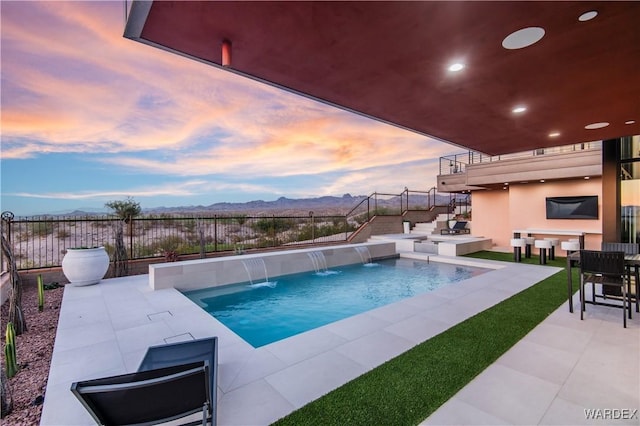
517, 244
570, 247
554, 244
543, 245
527, 249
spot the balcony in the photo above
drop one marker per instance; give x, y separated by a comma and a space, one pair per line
472, 171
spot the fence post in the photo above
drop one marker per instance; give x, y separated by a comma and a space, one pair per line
7, 217
368, 208
129, 221
215, 232
346, 228
200, 228
273, 227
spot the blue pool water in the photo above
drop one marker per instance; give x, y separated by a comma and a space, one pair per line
265, 312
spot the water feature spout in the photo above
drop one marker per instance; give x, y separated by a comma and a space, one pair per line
365, 255
255, 267
318, 260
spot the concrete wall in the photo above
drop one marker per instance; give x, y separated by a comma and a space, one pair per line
202, 273
496, 213
380, 225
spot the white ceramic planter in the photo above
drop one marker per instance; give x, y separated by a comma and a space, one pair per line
85, 266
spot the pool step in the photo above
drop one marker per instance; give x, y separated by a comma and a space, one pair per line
426, 247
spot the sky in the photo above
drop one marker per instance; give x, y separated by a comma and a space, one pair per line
90, 117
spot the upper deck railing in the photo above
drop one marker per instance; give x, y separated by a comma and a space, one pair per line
457, 163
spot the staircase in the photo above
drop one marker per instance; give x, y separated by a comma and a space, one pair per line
430, 228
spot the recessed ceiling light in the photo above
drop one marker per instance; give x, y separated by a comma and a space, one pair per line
587, 16
593, 126
541, 180
456, 67
519, 109
506, 183
554, 134
523, 38
630, 122
586, 177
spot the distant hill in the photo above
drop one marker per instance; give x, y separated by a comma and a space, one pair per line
283, 206
326, 205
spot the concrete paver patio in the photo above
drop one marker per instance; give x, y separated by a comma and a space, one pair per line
563, 366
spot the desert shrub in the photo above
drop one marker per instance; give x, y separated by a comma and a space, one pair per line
188, 225
169, 243
41, 229
270, 225
110, 249
63, 233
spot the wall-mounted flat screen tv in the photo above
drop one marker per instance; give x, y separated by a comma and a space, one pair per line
581, 207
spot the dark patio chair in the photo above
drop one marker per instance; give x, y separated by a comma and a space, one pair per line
148, 397
632, 270
185, 352
460, 227
605, 268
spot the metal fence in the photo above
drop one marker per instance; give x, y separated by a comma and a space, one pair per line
40, 242
382, 204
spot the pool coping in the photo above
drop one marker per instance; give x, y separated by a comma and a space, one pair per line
105, 330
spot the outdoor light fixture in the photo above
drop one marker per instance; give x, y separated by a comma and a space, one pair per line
554, 134
587, 16
593, 126
519, 109
523, 38
226, 53
456, 67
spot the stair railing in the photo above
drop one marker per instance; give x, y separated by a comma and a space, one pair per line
383, 204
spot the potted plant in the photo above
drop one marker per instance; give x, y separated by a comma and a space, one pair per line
85, 265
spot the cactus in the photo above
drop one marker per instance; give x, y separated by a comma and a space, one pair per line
10, 350
40, 294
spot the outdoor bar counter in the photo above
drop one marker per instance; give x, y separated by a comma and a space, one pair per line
517, 233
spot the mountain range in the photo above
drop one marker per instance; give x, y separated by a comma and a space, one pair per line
325, 205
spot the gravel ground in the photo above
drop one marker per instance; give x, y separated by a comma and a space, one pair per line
34, 349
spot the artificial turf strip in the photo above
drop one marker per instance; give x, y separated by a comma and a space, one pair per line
407, 389
508, 257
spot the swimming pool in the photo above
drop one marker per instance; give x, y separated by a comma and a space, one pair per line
268, 311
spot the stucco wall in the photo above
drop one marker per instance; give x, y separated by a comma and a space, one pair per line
490, 214
497, 213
